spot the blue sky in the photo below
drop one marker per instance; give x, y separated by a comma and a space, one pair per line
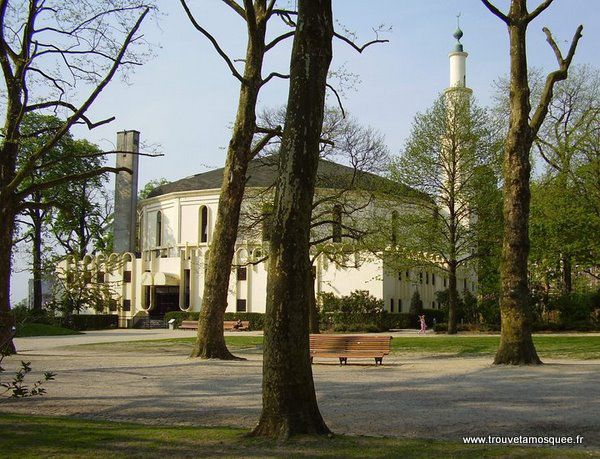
184, 98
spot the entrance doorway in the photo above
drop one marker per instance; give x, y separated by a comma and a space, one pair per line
166, 299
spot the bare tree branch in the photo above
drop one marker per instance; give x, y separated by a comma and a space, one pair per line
278, 39
236, 7
496, 11
553, 77
213, 41
69, 178
30, 164
337, 96
540, 9
263, 142
272, 75
360, 49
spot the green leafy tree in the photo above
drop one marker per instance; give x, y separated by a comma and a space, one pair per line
67, 213
55, 57
566, 142
449, 146
150, 186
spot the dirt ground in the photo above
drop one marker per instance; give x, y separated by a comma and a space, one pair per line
409, 396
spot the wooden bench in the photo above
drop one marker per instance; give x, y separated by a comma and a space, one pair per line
344, 346
227, 325
189, 325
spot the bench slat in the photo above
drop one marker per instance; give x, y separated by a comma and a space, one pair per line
344, 346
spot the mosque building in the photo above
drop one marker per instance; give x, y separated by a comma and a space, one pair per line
161, 243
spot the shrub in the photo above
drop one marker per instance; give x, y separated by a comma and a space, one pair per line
575, 307
396, 321
17, 387
358, 311
489, 308
416, 304
431, 314
255, 319
470, 310
24, 315
440, 328
91, 321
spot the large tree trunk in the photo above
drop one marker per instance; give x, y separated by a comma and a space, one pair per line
516, 344
289, 400
210, 342
452, 297
7, 320
8, 161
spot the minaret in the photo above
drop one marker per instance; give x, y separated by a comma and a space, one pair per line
128, 147
458, 64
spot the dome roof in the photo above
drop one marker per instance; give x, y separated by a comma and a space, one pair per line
263, 173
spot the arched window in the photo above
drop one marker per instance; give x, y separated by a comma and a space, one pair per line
336, 233
158, 228
203, 224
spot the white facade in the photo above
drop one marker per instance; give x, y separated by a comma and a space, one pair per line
168, 274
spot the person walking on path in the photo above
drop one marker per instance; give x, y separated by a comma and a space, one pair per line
423, 324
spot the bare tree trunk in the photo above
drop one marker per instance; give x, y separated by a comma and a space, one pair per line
210, 343
289, 400
516, 345
452, 297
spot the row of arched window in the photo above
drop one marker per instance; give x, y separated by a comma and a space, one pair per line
202, 226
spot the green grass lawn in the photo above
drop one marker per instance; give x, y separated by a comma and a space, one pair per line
252, 344
26, 330
569, 347
566, 347
34, 436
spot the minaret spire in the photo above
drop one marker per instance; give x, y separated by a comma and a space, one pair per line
458, 60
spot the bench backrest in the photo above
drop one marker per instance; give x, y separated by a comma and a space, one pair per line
321, 343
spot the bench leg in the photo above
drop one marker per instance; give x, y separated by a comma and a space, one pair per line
379, 360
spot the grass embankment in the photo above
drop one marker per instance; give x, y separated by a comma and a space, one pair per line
33, 436
26, 330
563, 347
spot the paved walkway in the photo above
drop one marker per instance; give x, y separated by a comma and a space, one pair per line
40, 343
409, 396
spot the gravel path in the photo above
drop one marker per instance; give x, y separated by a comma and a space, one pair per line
409, 396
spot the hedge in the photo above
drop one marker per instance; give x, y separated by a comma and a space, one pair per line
255, 319
92, 321
380, 322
